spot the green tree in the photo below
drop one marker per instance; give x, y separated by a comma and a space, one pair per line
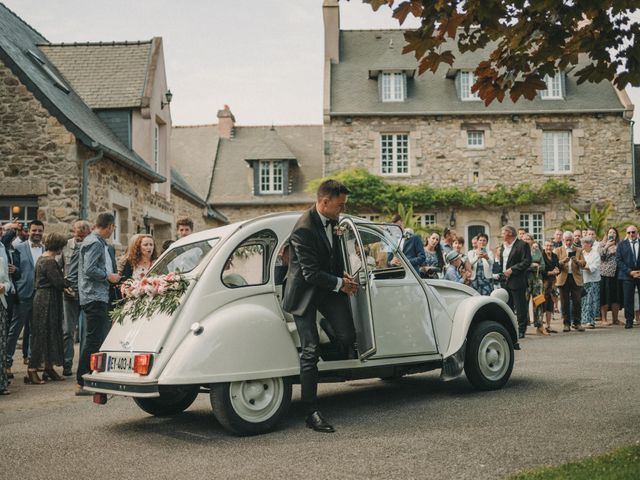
596, 218
526, 40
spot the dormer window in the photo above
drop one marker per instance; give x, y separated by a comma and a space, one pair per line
554, 87
271, 176
393, 87
467, 79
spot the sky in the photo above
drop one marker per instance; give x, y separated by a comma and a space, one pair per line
263, 58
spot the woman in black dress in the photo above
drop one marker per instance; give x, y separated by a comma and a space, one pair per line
46, 322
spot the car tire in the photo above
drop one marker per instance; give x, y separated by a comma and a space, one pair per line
170, 402
251, 407
489, 356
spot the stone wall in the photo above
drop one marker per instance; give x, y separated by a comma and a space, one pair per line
438, 155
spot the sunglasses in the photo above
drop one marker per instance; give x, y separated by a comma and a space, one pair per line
632, 231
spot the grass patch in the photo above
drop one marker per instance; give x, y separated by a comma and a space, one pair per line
621, 464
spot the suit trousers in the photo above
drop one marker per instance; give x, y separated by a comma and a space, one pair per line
22, 312
335, 309
571, 292
71, 324
629, 289
97, 319
518, 303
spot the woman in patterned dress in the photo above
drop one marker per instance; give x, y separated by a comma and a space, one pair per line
4, 320
610, 288
481, 260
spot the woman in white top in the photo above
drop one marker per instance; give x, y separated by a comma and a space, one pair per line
481, 260
591, 277
4, 320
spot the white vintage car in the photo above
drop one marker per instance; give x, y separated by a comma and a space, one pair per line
230, 338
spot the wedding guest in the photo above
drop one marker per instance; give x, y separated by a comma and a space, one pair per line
448, 236
628, 258
184, 227
481, 260
549, 274
591, 277
454, 265
46, 323
140, 258
557, 239
610, 288
434, 260
534, 282
569, 281
5, 284
465, 269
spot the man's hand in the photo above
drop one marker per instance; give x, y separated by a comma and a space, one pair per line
12, 268
113, 277
565, 260
69, 292
635, 273
508, 272
348, 285
2, 289
395, 261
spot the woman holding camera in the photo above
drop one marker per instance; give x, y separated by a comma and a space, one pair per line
549, 274
610, 288
534, 283
481, 260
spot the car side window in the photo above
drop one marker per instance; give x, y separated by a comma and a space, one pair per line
379, 253
248, 264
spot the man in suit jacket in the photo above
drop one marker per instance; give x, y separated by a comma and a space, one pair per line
316, 282
29, 252
628, 260
515, 259
569, 281
411, 246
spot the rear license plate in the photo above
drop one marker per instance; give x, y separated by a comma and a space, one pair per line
120, 363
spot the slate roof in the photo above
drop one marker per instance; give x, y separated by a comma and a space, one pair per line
181, 187
46, 83
270, 147
105, 75
353, 92
193, 152
232, 176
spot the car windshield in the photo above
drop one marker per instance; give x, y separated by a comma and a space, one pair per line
183, 258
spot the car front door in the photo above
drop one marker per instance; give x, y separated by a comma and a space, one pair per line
397, 297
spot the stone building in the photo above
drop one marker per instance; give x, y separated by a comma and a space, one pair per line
246, 171
92, 119
380, 115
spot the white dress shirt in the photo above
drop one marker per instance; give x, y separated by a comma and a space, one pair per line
329, 232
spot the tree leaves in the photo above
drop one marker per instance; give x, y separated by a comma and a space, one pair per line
527, 39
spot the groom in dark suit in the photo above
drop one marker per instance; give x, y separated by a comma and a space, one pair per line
316, 281
628, 259
515, 259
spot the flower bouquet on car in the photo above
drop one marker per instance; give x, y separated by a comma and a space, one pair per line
149, 295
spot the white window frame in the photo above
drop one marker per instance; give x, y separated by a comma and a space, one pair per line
467, 79
398, 161
271, 176
394, 87
425, 220
478, 141
556, 151
371, 217
554, 88
115, 237
533, 223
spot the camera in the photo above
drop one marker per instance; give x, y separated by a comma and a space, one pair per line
571, 254
610, 237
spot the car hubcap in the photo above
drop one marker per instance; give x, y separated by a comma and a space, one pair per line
256, 400
493, 356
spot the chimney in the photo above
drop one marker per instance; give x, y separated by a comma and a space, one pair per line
331, 14
226, 123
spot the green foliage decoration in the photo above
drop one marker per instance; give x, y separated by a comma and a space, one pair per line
596, 218
372, 193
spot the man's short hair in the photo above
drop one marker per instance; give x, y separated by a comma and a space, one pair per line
510, 229
105, 219
82, 225
396, 218
567, 234
331, 188
36, 222
185, 221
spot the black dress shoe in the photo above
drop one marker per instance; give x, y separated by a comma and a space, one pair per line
67, 372
318, 423
628, 325
521, 335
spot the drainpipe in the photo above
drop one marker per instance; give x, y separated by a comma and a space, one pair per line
84, 198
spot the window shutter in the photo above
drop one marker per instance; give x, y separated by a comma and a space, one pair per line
255, 165
563, 84
285, 177
458, 91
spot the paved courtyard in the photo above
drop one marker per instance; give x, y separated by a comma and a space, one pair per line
571, 395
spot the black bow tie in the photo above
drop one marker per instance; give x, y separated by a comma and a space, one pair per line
333, 223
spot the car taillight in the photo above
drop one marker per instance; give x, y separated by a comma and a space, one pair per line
142, 363
98, 361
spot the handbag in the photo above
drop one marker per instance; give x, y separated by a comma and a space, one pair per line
538, 299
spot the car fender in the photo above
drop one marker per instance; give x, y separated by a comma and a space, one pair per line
243, 340
475, 309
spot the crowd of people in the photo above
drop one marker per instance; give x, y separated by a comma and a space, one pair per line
55, 290
574, 274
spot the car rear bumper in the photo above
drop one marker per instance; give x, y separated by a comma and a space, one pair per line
128, 389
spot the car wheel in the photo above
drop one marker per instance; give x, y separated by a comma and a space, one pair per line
489, 356
251, 407
170, 402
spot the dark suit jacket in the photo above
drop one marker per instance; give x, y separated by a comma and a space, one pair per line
314, 266
414, 251
625, 261
519, 261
